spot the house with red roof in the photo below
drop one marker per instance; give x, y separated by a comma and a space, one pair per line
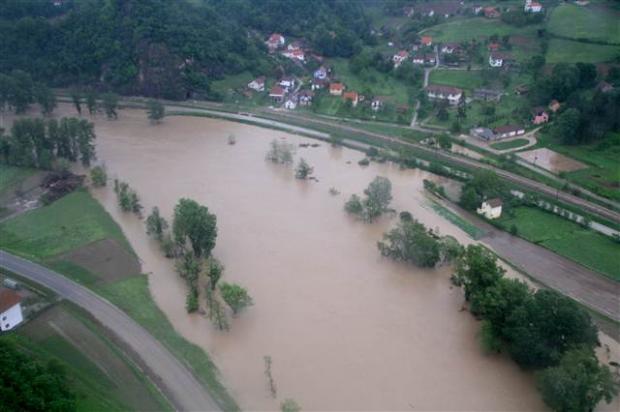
532, 7
491, 13
400, 57
539, 115
336, 89
10, 309
353, 97
277, 94
426, 40
257, 84
440, 92
275, 41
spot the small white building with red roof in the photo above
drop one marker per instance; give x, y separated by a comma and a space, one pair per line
532, 6
336, 89
275, 41
10, 309
400, 57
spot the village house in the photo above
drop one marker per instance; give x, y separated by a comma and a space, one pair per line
418, 59
351, 96
296, 54
477, 9
336, 89
491, 209
449, 48
288, 82
439, 92
426, 41
488, 95
503, 132
277, 94
483, 133
291, 102
399, 58
554, 105
296, 45
539, 115
305, 97
10, 309
430, 59
604, 87
491, 13
275, 41
320, 73
408, 11
377, 103
444, 9
532, 7
318, 84
257, 84
493, 47
497, 59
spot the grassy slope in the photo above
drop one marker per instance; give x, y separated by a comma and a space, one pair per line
470, 28
464, 79
594, 23
568, 51
76, 220
568, 239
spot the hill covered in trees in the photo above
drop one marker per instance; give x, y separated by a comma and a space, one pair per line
162, 48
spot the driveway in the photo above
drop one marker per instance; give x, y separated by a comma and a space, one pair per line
170, 375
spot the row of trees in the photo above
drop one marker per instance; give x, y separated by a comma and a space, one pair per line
376, 201
18, 91
128, 198
541, 330
39, 143
194, 232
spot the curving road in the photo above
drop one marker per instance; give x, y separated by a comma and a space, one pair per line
174, 379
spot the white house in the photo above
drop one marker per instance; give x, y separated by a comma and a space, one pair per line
491, 209
419, 59
376, 104
287, 82
295, 54
275, 41
532, 7
257, 84
496, 59
10, 309
291, 102
438, 92
503, 132
320, 73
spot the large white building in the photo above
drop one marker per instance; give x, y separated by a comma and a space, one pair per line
10, 309
439, 92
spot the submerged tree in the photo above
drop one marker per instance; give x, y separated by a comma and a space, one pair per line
156, 110
303, 169
76, 98
378, 197
194, 224
280, 152
156, 225
235, 296
411, 242
45, 98
110, 104
98, 176
91, 101
214, 272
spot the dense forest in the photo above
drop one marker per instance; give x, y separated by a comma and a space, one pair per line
163, 48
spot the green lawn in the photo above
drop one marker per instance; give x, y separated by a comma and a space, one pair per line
464, 79
568, 239
568, 51
512, 144
75, 220
474, 28
10, 175
594, 22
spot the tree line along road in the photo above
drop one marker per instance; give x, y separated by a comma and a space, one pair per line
171, 376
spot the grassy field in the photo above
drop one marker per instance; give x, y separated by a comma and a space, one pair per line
566, 238
594, 22
464, 79
467, 29
73, 221
472, 230
568, 51
603, 173
78, 220
10, 175
512, 144
98, 372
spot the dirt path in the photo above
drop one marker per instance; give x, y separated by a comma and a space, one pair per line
175, 380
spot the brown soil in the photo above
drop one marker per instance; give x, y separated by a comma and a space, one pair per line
106, 259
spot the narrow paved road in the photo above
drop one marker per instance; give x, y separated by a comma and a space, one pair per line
552, 270
176, 380
427, 75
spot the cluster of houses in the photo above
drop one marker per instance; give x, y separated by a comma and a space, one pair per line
294, 50
422, 53
448, 9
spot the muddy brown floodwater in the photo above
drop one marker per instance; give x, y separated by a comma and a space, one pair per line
345, 328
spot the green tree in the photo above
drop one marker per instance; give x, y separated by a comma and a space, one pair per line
194, 224
378, 197
578, 383
280, 152
541, 330
110, 104
23, 91
214, 272
477, 270
303, 169
156, 224
45, 98
485, 184
29, 385
189, 268
566, 126
410, 242
156, 110
354, 205
91, 101
98, 176
289, 405
235, 296
499, 301
76, 98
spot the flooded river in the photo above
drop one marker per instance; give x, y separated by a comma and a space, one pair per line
345, 328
